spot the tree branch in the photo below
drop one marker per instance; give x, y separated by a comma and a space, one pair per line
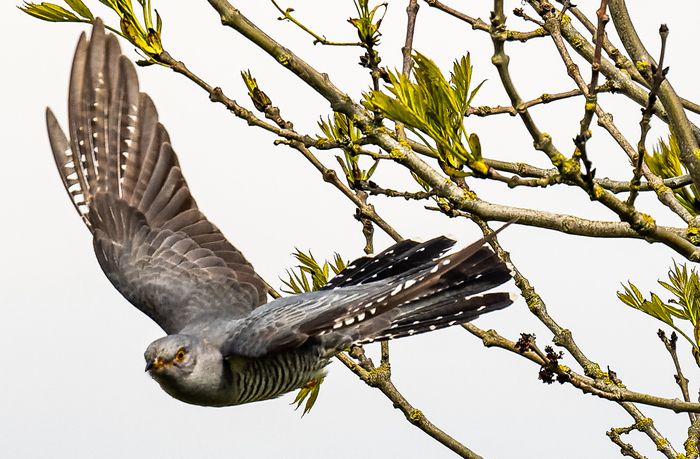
678, 121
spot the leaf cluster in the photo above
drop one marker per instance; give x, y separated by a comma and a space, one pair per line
342, 129
434, 107
309, 275
368, 22
666, 163
146, 36
684, 285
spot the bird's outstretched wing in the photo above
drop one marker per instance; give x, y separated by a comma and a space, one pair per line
124, 179
405, 290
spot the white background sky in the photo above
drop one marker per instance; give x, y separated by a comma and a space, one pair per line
72, 381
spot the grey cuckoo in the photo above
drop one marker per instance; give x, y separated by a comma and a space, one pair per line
225, 344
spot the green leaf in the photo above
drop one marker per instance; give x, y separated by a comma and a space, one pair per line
655, 308
49, 12
684, 285
79, 7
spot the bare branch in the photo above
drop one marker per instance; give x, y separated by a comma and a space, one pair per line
682, 381
656, 78
678, 120
380, 377
626, 449
407, 49
479, 24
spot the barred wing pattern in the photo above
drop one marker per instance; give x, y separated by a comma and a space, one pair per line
123, 178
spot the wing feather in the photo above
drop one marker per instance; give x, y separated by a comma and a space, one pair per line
124, 179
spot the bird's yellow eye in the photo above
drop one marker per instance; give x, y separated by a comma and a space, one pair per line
180, 356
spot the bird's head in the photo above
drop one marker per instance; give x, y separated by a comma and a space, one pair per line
173, 356
188, 368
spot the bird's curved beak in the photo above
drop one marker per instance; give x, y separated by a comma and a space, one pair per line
155, 364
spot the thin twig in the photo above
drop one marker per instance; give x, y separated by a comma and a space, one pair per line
682, 381
377, 377
374, 189
615, 435
407, 49
485, 110
479, 24
656, 76
287, 16
591, 96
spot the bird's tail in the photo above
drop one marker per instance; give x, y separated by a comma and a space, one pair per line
432, 291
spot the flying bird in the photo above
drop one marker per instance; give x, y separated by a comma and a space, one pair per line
225, 344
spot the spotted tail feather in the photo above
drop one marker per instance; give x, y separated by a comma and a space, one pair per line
435, 294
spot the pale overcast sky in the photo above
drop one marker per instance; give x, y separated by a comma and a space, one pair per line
72, 383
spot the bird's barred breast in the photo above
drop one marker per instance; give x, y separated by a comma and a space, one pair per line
269, 377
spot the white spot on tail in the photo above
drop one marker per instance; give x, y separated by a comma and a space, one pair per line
446, 262
432, 327
408, 283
